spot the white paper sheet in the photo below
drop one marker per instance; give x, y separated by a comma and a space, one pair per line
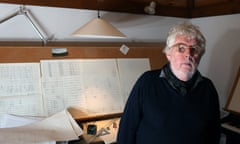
91, 84
101, 86
9, 121
20, 89
96, 86
129, 71
59, 127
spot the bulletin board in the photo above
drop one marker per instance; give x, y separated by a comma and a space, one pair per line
26, 54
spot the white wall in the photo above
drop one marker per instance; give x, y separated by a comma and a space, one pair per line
220, 63
60, 23
222, 58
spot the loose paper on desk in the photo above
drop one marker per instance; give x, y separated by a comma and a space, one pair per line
10, 120
58, 127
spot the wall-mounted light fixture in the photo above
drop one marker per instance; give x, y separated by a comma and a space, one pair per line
98, 28
24, 11
151, 8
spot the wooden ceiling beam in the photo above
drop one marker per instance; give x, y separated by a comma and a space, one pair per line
231, 7
83, 4
137, 7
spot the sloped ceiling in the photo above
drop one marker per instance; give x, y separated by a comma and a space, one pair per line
172, 8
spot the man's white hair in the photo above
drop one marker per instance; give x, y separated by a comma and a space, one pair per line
187, 29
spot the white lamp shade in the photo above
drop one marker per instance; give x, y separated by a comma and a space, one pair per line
98, 28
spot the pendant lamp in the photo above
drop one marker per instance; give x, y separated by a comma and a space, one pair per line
98, 28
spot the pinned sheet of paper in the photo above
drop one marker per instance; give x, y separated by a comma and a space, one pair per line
124, 49
58, 127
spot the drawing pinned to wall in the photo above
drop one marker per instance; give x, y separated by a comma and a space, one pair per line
129, 72
101, 86
20, 89
61, 84
91, 85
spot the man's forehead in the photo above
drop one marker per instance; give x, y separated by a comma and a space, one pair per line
185, 38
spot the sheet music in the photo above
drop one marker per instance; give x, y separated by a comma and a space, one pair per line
96, 86
129, 71
62, 84
88, 83
101, 86
20, 89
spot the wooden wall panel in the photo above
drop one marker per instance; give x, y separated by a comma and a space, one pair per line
37, 53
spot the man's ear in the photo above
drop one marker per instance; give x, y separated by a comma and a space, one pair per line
168, 55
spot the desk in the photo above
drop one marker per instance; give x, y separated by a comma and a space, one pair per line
99, 129
82, 141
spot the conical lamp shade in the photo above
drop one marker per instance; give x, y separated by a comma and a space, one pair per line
98, 28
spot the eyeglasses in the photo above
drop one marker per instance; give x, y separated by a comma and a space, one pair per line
194, 50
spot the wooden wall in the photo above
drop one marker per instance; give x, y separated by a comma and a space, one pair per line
11, 54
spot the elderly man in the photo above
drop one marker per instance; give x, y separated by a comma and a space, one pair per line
175, 104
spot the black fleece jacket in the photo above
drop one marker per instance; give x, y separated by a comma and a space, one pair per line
156, 113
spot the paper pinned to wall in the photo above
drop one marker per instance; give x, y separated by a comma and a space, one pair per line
91, 84
20, 89
95, 86
129, 71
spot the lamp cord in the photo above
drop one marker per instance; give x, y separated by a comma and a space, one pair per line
98, 9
